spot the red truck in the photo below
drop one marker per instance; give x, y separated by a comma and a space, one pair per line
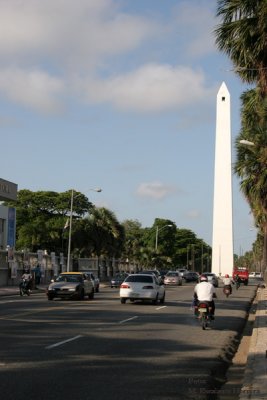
242, 273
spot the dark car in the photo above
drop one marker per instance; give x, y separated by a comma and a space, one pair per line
117, 280
212, 278
191, 277
152, 272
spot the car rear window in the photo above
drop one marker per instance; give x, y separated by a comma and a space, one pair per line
139, 278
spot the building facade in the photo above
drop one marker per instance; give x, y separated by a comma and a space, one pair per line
8, 191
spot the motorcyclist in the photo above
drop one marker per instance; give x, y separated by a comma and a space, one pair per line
205, 291
227, 283
237, 281
27, 278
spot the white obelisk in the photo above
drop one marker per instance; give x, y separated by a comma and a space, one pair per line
222, 236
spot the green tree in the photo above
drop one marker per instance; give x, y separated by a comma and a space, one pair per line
98, 234
251, 163
242, 36
134, 242
42, 215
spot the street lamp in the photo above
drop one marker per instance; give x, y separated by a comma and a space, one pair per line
70, 226
157, 234
246, 142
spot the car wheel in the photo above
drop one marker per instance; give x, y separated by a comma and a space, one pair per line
163, 299
50, 297
123, 300
155, 300
91, 295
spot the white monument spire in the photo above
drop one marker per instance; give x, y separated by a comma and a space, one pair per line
222, 236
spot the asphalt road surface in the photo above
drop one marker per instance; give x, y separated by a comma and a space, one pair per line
102, 349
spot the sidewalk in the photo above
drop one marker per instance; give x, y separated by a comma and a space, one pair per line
255, 377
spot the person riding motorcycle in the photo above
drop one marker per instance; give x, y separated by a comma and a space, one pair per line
205, 291
237, 281
227, 283
27, 278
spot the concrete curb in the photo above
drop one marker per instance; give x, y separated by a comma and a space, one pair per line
255, 378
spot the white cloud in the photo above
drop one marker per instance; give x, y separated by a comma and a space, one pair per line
55, 44
193, 214
74, 34
152, 87
34, 88
196, 20
155, 190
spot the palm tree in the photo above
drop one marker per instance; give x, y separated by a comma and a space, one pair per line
242, 36
251, 164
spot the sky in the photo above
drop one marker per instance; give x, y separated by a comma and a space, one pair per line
118, 95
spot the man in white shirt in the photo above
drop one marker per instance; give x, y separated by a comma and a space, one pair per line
205, 291
27, 276
227, 281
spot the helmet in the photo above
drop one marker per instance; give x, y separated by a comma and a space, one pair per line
226, 276
203, 278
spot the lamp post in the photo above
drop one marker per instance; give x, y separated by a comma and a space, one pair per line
70, 226
246, 142
157, 234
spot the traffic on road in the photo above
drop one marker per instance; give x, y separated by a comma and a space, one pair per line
85, 349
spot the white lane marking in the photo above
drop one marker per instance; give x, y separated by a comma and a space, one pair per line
128, 319
160, 308
63, 342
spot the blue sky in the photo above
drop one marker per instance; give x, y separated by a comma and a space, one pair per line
118, 94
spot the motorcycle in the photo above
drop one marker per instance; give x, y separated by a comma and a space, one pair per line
227, 290
204, 314
24, 287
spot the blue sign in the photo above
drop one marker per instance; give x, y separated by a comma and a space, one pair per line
11, 227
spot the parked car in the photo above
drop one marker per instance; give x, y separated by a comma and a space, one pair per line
191, 276
71, 285
95, 280
142, 287
117, 280
212, 278
173, 278
255, 275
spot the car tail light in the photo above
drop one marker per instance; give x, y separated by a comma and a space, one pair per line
148, 287
125, 286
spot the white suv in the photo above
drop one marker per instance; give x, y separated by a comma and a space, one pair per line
95, 281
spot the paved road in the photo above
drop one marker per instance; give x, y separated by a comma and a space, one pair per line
102, 349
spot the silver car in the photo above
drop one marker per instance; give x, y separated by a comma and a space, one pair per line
71, 285
173, 278
95, 281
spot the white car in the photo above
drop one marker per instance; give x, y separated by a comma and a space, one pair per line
142, 287
95, 281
